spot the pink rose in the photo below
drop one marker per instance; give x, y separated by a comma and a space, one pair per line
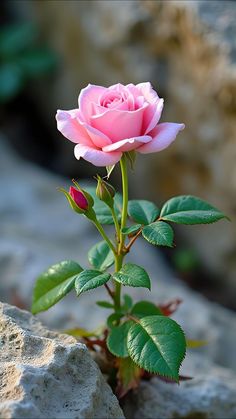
110, 121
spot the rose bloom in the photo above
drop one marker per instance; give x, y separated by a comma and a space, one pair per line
113, 120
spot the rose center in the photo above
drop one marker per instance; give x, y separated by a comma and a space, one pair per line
111, 100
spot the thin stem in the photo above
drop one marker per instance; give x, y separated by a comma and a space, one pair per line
117, 225
120, 256
109, 291
103, 234
133, 240
117, 292
123, 167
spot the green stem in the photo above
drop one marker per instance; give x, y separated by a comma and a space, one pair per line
117, 293
124, 174
117, 225
120, 256
104, 236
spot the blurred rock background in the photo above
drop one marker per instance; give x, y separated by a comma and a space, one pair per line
187, 49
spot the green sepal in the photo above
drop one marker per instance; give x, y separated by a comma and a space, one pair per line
71, 201
105, 192
131, 157
109, 170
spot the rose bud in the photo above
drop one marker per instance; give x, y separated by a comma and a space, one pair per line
105, 192
79, 198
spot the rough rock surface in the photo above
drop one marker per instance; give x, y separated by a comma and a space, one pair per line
47, 375
211, 394
187, 50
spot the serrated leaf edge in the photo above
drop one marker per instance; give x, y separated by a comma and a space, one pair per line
100, 272
152, 242
149, 369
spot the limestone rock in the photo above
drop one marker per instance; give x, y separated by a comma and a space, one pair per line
47, 375
211, 394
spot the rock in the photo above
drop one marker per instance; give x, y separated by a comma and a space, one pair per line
211, 394
187, 50
47, 375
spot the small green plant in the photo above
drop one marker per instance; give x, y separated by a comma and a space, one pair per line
139, 338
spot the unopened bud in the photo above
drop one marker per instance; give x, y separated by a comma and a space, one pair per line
79, 198
105, 192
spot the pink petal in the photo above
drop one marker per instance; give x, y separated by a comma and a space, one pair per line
68, 124
97, 157
119, 125
128, 144
99, 139
148, 92
87, 97
163, 135
134, 90
152, 115
117, 87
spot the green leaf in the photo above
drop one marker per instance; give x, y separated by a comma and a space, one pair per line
158, 345
133, 276
159, 234
131, 230
104, 304
113, 320
52, 285
187, 209
89, 279
117, 339
143, 212
101, 256
145, 308
128, 302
